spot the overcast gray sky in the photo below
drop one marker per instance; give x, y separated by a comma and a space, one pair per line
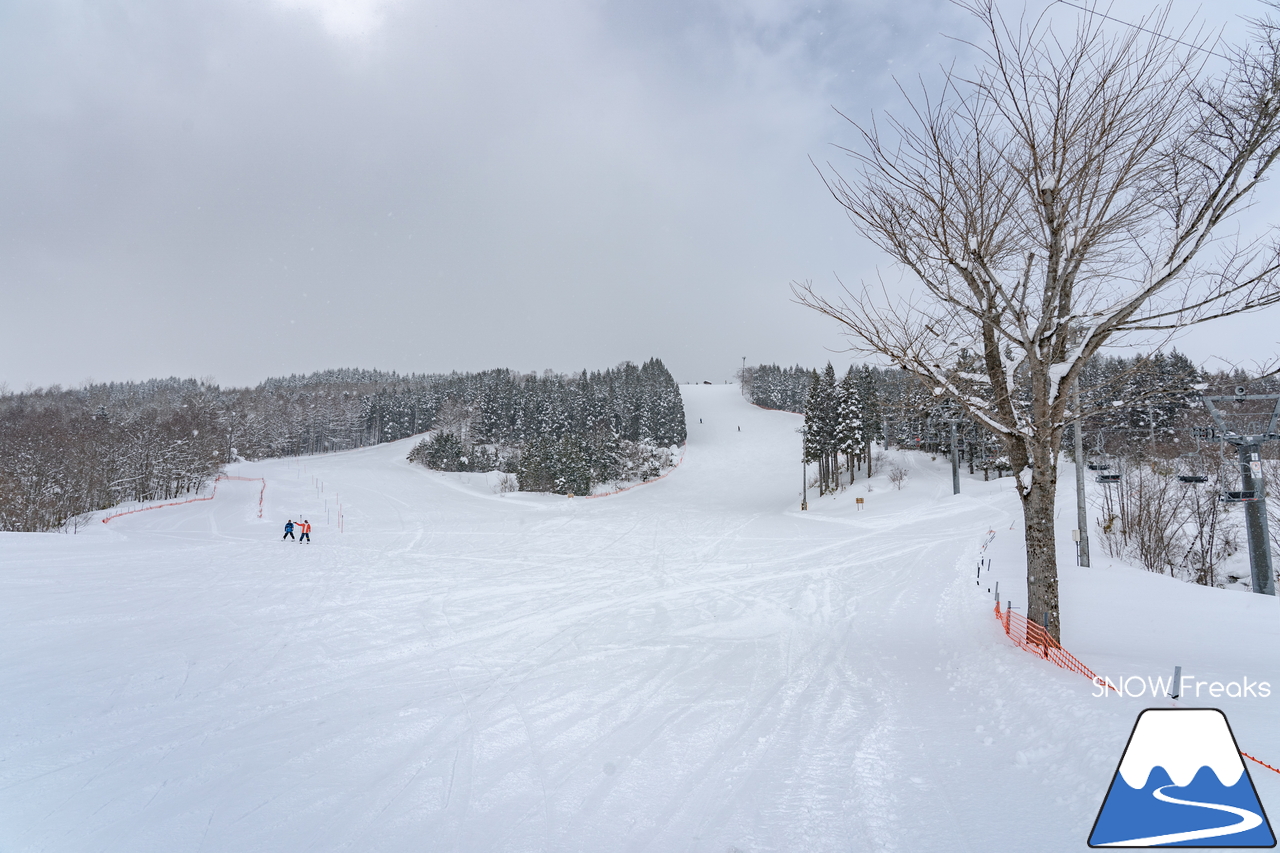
245, 188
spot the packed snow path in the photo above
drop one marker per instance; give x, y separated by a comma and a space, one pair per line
691, 665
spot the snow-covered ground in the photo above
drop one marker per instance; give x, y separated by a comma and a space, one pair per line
692, 665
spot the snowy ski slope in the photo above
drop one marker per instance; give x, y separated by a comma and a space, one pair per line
693, 665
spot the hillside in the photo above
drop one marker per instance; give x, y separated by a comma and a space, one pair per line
693, 664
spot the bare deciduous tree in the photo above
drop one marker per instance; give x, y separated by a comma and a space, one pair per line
1070, 193
897, 476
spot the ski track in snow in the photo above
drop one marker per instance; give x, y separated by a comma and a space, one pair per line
693, 665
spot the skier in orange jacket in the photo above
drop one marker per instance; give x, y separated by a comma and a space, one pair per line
306, 531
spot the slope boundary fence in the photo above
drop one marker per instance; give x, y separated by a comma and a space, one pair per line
261, 495
1030, 637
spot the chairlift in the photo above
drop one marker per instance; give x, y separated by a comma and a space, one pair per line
1246, 496
1195, 466
1100, 462
1103, 463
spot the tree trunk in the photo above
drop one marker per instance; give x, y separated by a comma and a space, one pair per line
1042, 557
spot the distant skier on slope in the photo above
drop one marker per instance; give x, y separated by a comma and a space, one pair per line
288, 529
306, 532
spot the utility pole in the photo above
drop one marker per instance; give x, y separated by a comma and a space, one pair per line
231, 432
955, 462
1082, 517
804, 482
1253, 486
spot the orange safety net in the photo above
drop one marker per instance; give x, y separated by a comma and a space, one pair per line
261, 494
1029, 636
1259, 761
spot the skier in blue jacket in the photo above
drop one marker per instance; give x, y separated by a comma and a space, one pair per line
288, 530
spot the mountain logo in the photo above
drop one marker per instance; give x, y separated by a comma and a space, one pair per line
1181, 783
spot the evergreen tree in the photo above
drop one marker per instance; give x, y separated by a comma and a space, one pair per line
850, 433
872, 420
536, 469
572, 467
772, 387
821, 420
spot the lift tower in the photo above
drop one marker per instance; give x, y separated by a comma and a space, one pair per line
1253, 487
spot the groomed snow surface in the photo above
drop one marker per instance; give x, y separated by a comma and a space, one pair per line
692, 665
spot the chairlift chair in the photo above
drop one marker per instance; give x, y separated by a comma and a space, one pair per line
1102, 464
1246, 496
1194, 467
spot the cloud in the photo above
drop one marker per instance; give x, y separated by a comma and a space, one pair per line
244, 188
346, 19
